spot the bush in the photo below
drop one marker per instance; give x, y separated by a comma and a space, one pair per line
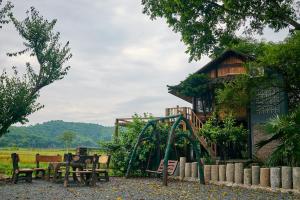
227, 134
286, 131
121, 147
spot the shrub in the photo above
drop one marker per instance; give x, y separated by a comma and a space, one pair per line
226, 134
286, 131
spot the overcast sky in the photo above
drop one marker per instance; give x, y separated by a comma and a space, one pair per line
121, 64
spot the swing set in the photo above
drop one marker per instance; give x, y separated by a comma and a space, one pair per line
172, 136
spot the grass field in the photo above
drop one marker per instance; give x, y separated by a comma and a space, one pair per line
27, 157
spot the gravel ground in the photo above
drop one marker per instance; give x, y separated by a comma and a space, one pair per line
135, 188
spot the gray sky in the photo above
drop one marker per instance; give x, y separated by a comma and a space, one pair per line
121, 64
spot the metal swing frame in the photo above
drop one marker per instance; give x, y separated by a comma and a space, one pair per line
190, 136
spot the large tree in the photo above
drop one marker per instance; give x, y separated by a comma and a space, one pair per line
67, 137
19, 94
206, 26
4, 13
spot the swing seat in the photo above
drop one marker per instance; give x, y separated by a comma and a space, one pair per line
172, 164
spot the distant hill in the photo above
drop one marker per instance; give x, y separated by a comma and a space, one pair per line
46, 135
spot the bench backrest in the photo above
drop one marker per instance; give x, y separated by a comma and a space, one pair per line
104, 161
83, 160
15, 160
172, 164
47, 158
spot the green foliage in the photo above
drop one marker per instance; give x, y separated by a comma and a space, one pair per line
286, 131
275, 65
121, 147
18, 95
224, 133
284, 59
46, 135
234, 95
4, 11
207, 26
196, 85
67, 137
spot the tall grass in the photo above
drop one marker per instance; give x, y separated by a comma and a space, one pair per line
27, 157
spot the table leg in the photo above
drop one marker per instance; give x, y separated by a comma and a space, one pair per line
48, 174
66, 182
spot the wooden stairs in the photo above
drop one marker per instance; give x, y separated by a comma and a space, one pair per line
196, 124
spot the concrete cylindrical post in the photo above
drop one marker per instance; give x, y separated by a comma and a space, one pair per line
176, 173
182, 162
238, 173
275, 177
215, 173
188, 169
194, 169
286, 177
222, 172
296, 178
230, 172
255, 175
247, 176
207, 169
265, 177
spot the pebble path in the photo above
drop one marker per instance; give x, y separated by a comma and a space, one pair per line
133, 188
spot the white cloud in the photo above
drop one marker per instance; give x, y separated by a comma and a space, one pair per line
122, 60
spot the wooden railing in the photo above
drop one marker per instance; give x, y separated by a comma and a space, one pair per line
196, 124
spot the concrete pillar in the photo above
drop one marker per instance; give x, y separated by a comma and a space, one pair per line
207, 169
230, 172
247, 176
215, 172
296, 178
188, 169
222, 172
287, 177
182, 162
275, 177
177, 170
255, 175
194, 169
238, 173
265, 177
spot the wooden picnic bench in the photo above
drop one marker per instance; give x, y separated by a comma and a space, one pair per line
172, 164
20, 173
81, 167
44, 159
103, 167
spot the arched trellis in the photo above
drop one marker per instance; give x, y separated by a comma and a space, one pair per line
195, 143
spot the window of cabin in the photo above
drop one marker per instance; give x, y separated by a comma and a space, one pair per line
200, 107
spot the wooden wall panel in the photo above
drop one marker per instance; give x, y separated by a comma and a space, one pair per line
231, 66
212, 73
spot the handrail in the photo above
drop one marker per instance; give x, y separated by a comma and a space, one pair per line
196, 123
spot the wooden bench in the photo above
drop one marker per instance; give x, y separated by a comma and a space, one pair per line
78, 165
172, 164
20, 173
103, 167
44, 159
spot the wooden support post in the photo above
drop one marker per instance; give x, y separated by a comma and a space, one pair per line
116, 129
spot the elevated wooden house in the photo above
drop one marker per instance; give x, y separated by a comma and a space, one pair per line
225, 68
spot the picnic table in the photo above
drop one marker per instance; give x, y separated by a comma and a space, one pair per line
56, 167
77, 165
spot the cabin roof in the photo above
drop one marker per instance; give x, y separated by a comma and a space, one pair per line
221, 58
213, 63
